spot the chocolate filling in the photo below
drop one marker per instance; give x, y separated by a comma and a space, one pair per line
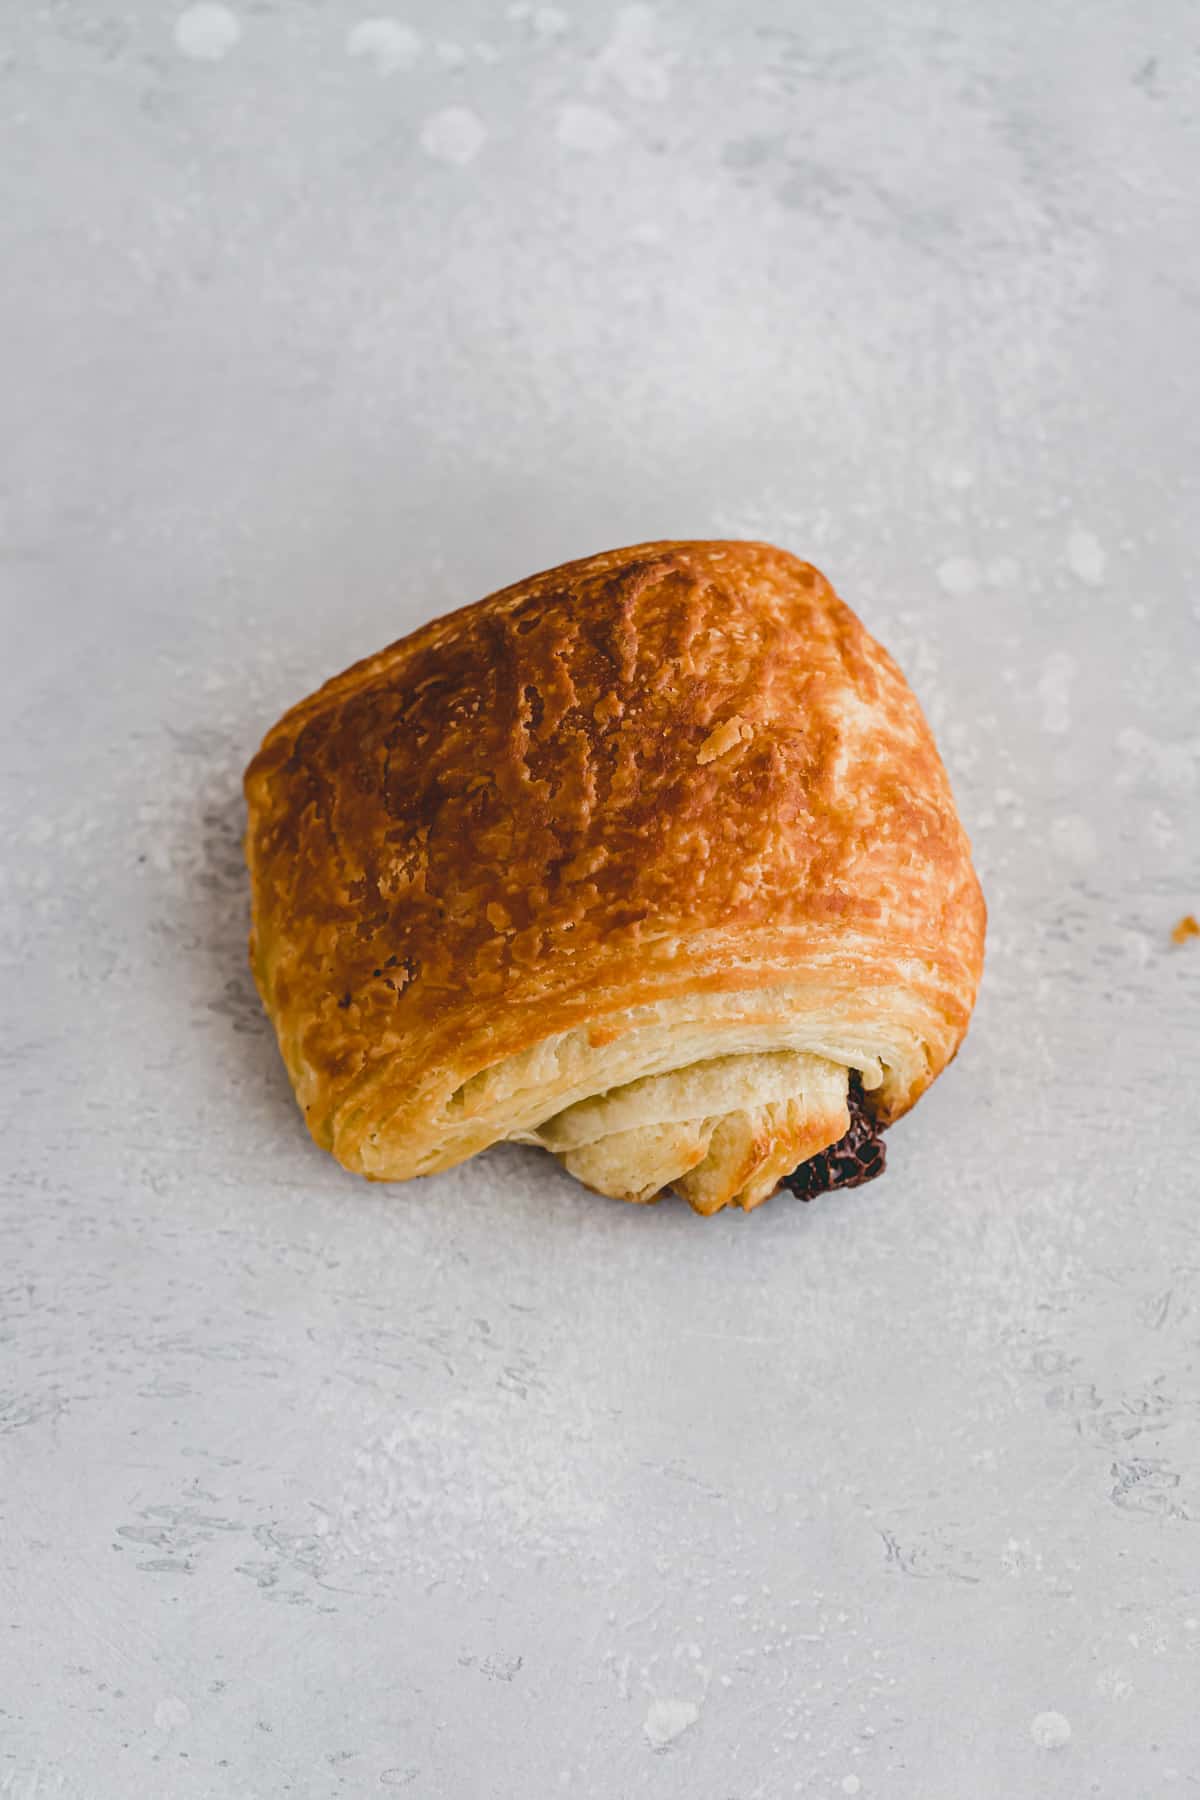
859, 1156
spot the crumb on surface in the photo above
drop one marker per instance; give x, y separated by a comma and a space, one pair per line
734, 731
1185, 929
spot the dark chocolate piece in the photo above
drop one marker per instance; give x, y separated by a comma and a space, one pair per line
859, 1156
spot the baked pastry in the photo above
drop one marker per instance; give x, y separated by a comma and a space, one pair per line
641, 860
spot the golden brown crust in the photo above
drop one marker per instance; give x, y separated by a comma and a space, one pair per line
671, 771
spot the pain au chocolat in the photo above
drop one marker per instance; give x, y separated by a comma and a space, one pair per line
650, 860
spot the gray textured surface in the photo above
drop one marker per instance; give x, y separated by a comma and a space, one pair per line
310, 328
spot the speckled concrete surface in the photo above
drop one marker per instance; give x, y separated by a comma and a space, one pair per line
315, 322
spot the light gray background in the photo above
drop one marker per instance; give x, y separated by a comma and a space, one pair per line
313, 325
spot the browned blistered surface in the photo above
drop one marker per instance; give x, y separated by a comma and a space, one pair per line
674, 768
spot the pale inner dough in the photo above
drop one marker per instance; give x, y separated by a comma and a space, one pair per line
722, 1132
783, 1056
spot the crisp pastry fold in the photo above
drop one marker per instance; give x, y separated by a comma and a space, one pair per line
642, 860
